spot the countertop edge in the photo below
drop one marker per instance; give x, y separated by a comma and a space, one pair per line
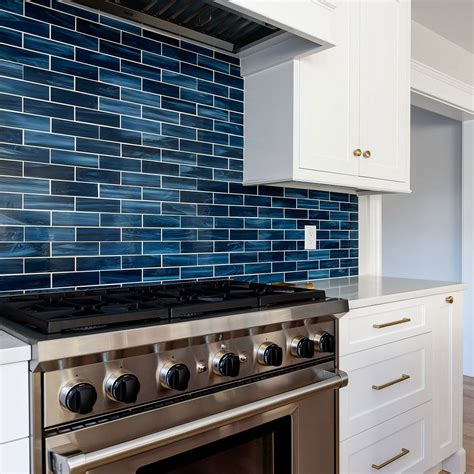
13, 350
404, 295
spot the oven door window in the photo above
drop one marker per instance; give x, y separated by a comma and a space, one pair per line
266, 449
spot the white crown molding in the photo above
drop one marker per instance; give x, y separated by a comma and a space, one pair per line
433, 84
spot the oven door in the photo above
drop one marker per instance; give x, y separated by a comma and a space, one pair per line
289, 432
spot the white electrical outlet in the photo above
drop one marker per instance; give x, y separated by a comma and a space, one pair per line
309, 237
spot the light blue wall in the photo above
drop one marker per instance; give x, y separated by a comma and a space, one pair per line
422, 230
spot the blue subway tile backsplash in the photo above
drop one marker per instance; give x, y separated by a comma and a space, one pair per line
121, 158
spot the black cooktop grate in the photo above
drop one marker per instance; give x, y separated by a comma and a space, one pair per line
159, 304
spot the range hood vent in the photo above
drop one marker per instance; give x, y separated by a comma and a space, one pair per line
204, 21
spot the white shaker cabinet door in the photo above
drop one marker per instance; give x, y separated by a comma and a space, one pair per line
328, 94
385, 89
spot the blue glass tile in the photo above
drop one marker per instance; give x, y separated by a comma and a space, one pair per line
141, 261
11, 70
97, 88
18, 120
22, 282
196, 71
308, 204
101, 118
49, 16
86, 234
283, 267
74, 249
231, 246
141, 125
141, 43
10, 135
49, 234
74, 68
47, 46
258, 268
236, 94
213, 258
27, 249
75, 279
163, 38
227, 127
73, 158
115, 49
140, 70
195, 147
228, 199
120, 248
179, 209
119, 79
179, 234
15, 6
141, 152
228, 80
179, 54
73, 189
160, 61
120, 107
196, 197
178, 105
23, 56
161, 115
197, 48
339, 216
12, 86
38, 186
49, 109
178, 183
136, 179
227, 58
160, 88
97, 205
74, 128
177, 79
115, 163
97, 30
58, 203
227, 270
10, 37
121, 220
349, 207
97, 146
283, 245
177, 131
320, 215
41, 265
236, 117
12, 234
172, 156
179, 260
161, 195
197, 222
339, 273
25, 25
11, 168
97, 59
97, 176
98, 263
197, 122
197, 97
75, 219
142, 234
119, 192
118, 135
41, 170
243, 211
213, 113
121, 25
227, 151
243, 234
74, 38
236, 141
197, 272
73, 98
160, 221
11, 265
160, 274
159, 248
228, 104
257, 200
49, 140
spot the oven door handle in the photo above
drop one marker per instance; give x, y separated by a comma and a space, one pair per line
66, 460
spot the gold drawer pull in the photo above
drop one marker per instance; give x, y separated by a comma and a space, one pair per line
389, 461
449, 299
393, 382
393, 323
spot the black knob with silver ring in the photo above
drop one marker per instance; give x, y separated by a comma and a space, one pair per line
324, 342
78, 397
270, 354
123, 387
175, 376
302, 347
226, 364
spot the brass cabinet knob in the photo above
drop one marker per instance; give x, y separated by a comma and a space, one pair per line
357, 152
449, 299
367, 154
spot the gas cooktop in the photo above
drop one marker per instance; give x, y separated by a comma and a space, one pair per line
61, 312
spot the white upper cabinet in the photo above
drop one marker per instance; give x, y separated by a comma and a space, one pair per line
339, 117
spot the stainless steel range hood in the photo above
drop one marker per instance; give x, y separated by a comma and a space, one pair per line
262, 33
204, 21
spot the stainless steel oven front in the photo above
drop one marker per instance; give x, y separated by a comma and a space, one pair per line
279, 425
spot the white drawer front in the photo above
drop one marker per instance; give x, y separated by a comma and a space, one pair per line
369, 327
14, 409
15, 457
384, 382
389, 441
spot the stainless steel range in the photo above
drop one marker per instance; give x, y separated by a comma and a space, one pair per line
201, 377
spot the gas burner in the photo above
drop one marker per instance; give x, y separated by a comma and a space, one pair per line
159, 304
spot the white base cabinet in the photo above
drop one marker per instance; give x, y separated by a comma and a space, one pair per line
402, 409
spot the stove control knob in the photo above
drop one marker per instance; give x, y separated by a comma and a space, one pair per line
270, 354
123, 388
302, 347
175, 376
324, 342
78, 397
226, 363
